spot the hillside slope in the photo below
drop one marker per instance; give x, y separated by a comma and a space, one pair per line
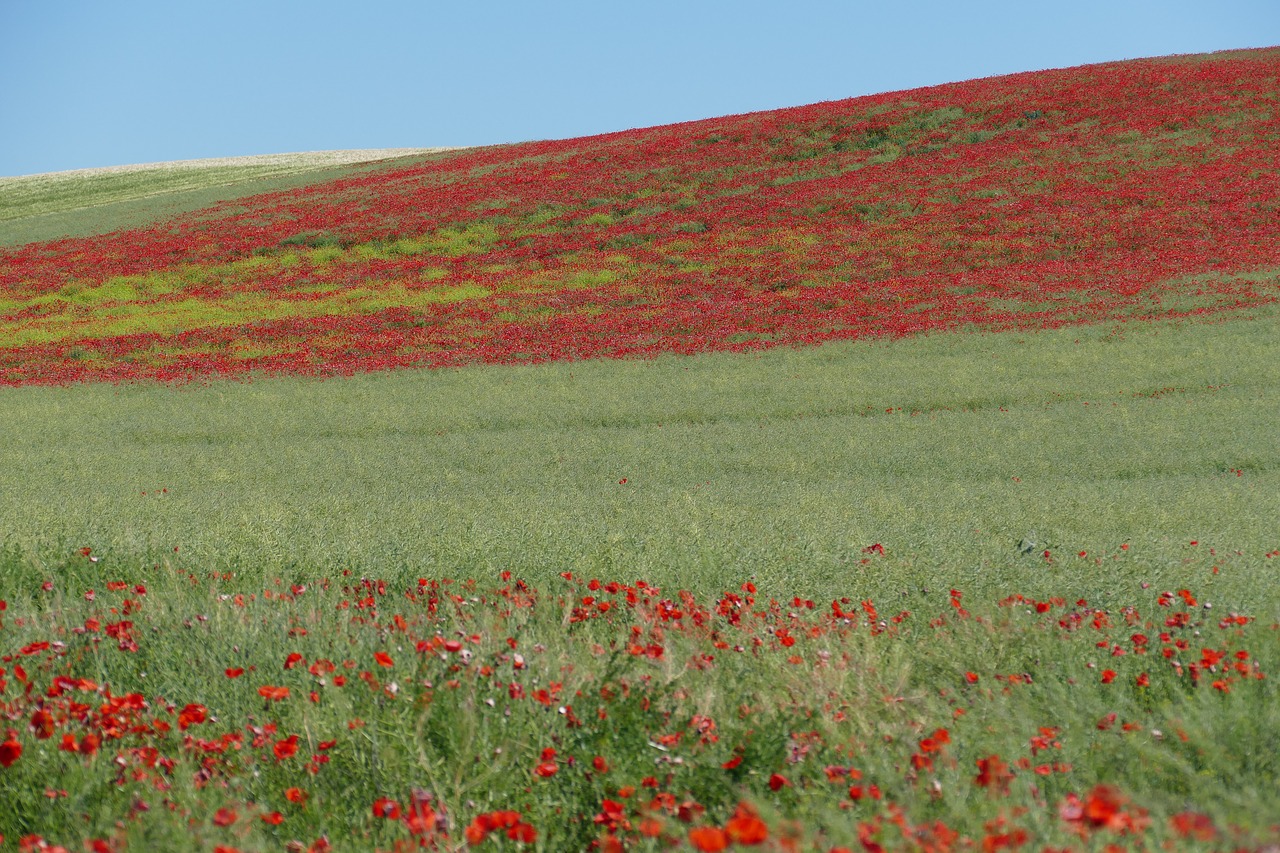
1126, 190
87, 202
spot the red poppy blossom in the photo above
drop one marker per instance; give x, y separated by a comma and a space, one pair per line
1190, 824
385, 807
89, 744
42, 724
420, 817
746, 827
191, 715
474, 833
708, 839
994, 773
286, 748
523, 833
1102, 805
10, 751
383, 659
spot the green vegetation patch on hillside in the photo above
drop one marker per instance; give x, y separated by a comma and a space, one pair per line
59, 205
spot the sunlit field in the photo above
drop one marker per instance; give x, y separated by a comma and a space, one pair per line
950, 582
84, 202
863, 544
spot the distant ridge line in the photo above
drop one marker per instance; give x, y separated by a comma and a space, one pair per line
303, 158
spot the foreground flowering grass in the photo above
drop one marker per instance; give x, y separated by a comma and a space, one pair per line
1129, 190
174, 707
954, 592
792, 600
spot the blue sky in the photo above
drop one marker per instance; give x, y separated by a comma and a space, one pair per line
107, 82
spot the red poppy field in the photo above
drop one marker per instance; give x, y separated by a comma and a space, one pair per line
445, 714
1143, 189
993, 568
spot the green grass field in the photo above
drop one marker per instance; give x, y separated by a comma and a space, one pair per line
1119, 447
777, 466
49, 207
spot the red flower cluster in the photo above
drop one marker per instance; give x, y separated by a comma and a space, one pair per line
659, 797
1130, 190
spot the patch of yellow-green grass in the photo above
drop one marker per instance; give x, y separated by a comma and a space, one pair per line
99, 316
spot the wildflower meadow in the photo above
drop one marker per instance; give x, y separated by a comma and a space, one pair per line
892, 474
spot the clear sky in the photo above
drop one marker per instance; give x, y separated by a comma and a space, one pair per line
88, 83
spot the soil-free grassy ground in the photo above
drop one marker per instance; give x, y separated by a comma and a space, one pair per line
871, 649
778, 465
57, 205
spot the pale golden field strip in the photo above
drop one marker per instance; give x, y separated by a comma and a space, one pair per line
81, 202
297, 160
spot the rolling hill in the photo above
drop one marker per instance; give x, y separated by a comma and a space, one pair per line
914, 589
1138, 189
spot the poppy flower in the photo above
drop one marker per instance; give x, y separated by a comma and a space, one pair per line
1190, 824
1102, 806
523, 833
386, 808
383, 659
191, 715
89, 744
708, 839
42, 724
475, 833
286, 748
746, 827
420, 818
273, 694
225, 817
10, 751
651, 827
994, 773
